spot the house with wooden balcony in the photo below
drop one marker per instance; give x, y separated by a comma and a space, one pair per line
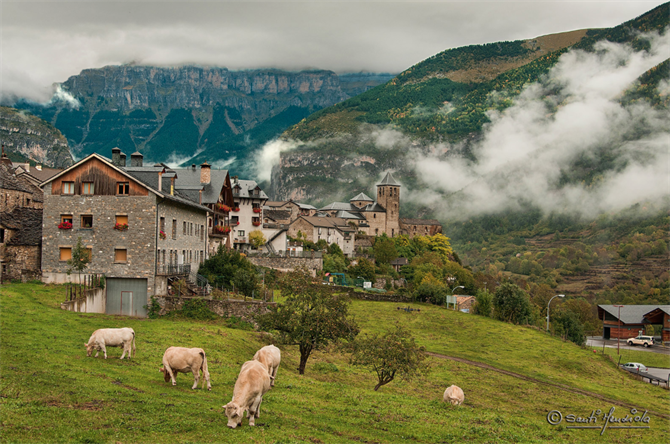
247, 215
139, 229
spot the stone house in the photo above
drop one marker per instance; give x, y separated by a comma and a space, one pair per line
20, 244
140, 231
333, 230
20, 223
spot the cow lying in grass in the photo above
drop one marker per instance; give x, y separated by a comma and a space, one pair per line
111, 337
454, 395
252, 383
270, 356
184, 360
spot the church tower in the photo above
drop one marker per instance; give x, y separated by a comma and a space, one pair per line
388, 196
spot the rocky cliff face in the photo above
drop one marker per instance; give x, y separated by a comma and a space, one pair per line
176, 114
33, 138
254, 93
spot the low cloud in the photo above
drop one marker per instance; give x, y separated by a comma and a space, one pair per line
573, 117
268, 156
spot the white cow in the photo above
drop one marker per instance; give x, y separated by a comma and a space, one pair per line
454, 395
270, 356
111, 337
184, 360
252, 383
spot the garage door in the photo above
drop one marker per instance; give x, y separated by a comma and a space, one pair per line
126, 297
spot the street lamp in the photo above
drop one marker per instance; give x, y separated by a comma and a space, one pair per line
557, 296
452, 293
618, 334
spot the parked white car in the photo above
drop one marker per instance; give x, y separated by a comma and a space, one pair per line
634, 366
647, 341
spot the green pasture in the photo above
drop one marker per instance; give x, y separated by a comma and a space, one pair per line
51, 392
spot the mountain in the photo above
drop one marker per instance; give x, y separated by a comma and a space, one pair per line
188, 113
443, 104
28, 138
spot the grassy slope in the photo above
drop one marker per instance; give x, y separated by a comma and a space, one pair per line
50, 391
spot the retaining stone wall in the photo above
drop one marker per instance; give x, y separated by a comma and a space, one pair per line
245, 310
289, 263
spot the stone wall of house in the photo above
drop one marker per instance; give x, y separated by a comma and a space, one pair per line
289, 263
21, 262
377, 222
10, 199
226, 307
305, 227
139, 240
185, 242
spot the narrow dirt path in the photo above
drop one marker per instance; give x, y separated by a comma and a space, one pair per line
567, 388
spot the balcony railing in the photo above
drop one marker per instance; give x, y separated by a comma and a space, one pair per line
173, 270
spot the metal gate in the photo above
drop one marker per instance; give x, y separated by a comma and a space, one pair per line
126, 297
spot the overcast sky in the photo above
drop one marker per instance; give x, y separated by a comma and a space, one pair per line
48, 41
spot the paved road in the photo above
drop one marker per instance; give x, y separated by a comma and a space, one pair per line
660, 372
597, 341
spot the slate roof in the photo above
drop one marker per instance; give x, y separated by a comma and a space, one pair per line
630, 314
246, 186
306, 207
9, 180
328, 222
27, 222
399, 261
339, 206
190, 178
388, 180
347, 215
420, 221
277, 214
373, 207
363, 197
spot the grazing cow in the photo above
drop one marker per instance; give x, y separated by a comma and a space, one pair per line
111, 337
184, 360
252, 383
454, 395
270, 356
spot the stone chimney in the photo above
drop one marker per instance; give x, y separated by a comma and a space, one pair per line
205, 173
160, 180
116, 156
4, 159
38, 167
136, 159
122, 161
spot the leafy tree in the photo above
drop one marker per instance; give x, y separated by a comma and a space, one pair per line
257, 239
321, 245
567, 325
431, 290
333, 263
335, 249
364, 268
80, 259
246, 281
395, 353
439, 243
384, 250
484, 304
223, 270
511, 304
311, 317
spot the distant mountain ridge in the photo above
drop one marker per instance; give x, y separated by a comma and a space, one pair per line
445, 98
190, 113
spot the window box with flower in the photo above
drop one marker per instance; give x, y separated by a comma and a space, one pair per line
257, 210
65, 225
236, 209
162, 234
256, 224
121, 227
